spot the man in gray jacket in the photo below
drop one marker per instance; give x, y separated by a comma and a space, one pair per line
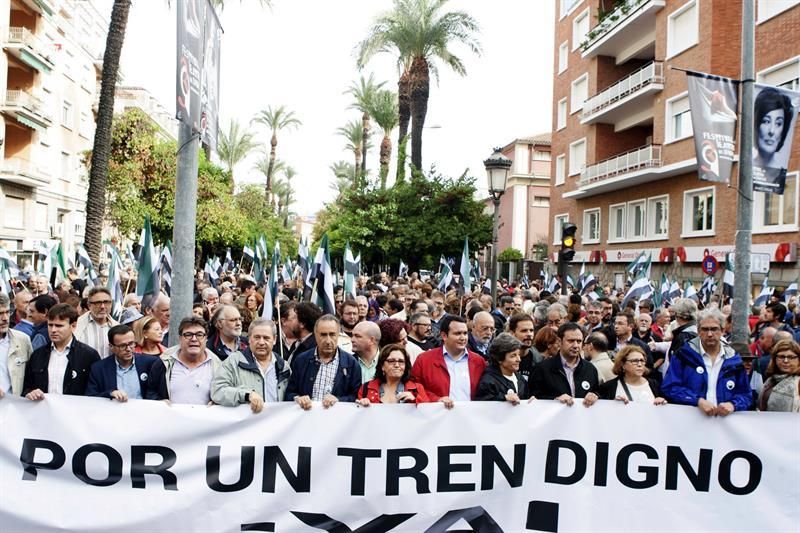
254, 376
15, 350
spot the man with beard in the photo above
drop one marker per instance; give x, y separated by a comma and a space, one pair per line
483, 328
568, 376
227, 338
349, 316
521, 327
93, 327
421, 331
594, 317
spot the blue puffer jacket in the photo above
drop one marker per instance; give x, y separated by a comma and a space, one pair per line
683, 384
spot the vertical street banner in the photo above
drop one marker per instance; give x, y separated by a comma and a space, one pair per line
713, 101
197, 82
774, 116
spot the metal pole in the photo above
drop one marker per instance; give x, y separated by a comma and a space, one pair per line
183, 231
495, 224
744, 209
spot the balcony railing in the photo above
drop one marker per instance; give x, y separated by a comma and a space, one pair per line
17, 166
645, 76
23, 36
641, 158
16, 98
610, 21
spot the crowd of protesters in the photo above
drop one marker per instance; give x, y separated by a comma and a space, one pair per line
396, 341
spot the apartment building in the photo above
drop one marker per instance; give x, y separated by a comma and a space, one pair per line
49, 75
126, 97
624, 166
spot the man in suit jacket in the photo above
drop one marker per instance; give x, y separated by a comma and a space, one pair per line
15, 350
123, 376
568, 376
451, 372
61, 367
92, 328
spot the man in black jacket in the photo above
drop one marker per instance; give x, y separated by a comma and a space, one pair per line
61, 367
568, 376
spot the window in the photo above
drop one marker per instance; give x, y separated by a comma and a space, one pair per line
579, 93
66, 114
776, 212
41, 217
580, 27
577, 157
563, 56
568, 6
14, 209
682, 29
560, 167
658, 217
786, 74
678, 119
698, 212
541, 201
561, 119
84, 128
560, 220
66, 168
616, 222
636, 226
769, 8
539, 155
591, 226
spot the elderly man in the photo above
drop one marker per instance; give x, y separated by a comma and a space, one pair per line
21, 301
326, 373
184, 372
160, 310
366, 347
707, 373
556, 316
210, 298
255, 376
521, 327
93, 326
363, 307
124, 376
762, 346
480, 337
227, 337
567, 377
15, 350
132, 300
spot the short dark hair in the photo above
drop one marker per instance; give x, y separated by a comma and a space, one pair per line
501, 346
384, 355
308, 314
43, 303
444, 327
286, 308
119, 329
778, 311
628, 317
770, 99
192, 321
349, 303
395, 305
598, 341
568, 326
97, 290
246, 284
516, 318
62, 312
506, 300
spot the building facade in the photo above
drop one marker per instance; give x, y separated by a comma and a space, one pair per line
624, 167
49, 74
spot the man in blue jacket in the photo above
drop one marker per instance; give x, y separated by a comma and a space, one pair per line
708, 373
122, 377
327, 373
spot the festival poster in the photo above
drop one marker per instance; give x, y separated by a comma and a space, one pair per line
713, 101
774, 116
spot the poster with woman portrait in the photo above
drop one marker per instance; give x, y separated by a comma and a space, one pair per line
774, 115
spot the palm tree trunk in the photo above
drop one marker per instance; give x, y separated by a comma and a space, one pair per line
357, 177
403, 104
98, 173
386, 156
420, 89
364, 139
268, 190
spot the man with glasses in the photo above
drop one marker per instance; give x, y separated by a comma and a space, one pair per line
708, 373
482, 332
15, 350
227, 337
556, 316
438, 313
184, 372
594, 317
93, 327
420, 333
124, 376
503, 313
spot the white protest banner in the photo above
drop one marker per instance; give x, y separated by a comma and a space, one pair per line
87, 464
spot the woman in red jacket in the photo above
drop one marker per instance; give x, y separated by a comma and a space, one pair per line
392, 383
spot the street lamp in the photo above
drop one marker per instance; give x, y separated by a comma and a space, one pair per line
497, 167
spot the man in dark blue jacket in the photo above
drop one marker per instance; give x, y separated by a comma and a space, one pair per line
122, 377
326, 373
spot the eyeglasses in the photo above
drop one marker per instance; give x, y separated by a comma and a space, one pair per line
125, 345
786, 358
191, 335
395, 362
101, 302
636, 362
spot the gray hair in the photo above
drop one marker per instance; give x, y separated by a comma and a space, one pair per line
595, 304
501, 346
5, 302
219, 311
712, 313
557, 307
262, 322
327, 318
685, 309
540, 311
208, 291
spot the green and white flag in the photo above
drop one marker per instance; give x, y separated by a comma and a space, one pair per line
148, 285
466, 280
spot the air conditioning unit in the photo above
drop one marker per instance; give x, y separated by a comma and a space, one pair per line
57, 230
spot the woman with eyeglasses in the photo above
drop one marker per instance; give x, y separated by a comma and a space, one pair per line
392, 382
781, 392
502, 381
632, 383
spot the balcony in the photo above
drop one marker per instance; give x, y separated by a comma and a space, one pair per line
23, 172
43, 7
26, 109
641, 158
628, 32
628, 102
29, 49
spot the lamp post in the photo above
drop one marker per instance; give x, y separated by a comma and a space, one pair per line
497, 167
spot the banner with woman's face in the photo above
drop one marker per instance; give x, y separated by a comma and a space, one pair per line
774, 115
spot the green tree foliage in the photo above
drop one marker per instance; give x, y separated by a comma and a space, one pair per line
509, 255
416, 220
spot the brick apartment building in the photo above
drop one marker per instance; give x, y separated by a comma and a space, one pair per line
624, 166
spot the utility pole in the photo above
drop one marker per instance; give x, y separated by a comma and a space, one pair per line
183, 231
744, 208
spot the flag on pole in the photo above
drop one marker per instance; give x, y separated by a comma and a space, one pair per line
229, 263
664, 290
92, 279
690, 292
446, 278
148, 286
286, 271
790, 291
8, 263
402, 271
165, 263
114, 285
262, 248
675, 291
581, 276
476, 270
766, 292
271, 290
728, 278
708, 288
247, 251
588, 283
554, 286
351, 272
466, 280
640, 290
211, 273
322, 294
634, 266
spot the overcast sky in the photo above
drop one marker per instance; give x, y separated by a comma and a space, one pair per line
301, 54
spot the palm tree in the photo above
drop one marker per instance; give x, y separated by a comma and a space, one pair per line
275, 120
354, 133
345, 174
419, 31
383, 108
284, 192
363, 92
234, 145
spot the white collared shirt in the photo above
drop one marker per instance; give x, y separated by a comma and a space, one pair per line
460, 386
713, 369
5, 375
56, 368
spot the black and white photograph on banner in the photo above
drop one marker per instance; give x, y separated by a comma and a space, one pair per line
713, 101
774, 115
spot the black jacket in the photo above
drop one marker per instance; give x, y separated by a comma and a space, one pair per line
608, 390
103, 375
531, 358
305, 366
478, 348
549, 380
79, 362
494, 386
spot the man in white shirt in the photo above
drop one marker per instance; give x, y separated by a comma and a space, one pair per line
366, 339
92, 328
15, 350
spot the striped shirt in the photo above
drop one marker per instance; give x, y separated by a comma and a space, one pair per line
326, 374
96, 336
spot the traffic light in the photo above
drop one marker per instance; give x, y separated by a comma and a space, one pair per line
567, 252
